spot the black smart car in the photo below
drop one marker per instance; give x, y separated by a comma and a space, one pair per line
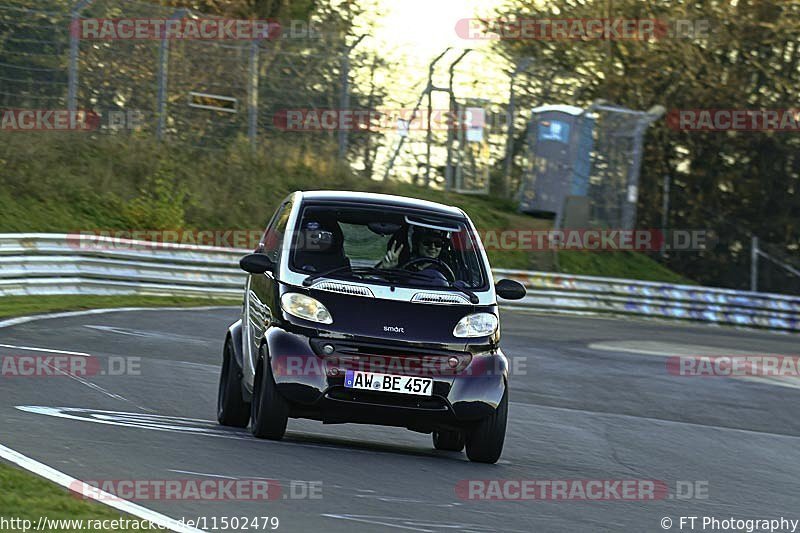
373, 309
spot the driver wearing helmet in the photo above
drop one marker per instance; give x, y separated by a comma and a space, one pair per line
425, 242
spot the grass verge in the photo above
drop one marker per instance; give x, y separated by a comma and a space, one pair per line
25, 496
628, 265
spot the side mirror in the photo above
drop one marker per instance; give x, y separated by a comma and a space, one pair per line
508, 289
256, 263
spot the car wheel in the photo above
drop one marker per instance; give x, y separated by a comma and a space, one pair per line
269, 411
232, 410
452, 441
485, 441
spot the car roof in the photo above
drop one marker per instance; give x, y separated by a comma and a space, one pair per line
380, 199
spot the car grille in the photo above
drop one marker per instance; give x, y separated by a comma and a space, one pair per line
348, 355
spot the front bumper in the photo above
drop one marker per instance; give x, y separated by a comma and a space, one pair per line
313, 382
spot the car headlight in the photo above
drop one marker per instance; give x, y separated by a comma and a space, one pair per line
305, 307
476, 325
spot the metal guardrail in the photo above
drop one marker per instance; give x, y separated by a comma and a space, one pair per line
41, 263
565, 293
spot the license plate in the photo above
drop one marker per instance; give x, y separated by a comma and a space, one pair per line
355, 379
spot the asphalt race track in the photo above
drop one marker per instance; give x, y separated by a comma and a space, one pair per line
591, 400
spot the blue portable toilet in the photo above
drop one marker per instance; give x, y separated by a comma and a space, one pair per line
559, 146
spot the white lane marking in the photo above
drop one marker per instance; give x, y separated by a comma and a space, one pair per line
67, 314
202, 474
148, 334
121, 331
98, 388
667, 349
134, 420
68, 482
415, 525
366, 519
664, 421
201, 366
48, 350
400, 499
171, 424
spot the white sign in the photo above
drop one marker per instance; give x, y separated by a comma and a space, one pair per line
475, 119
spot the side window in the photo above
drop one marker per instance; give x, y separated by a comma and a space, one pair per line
272, 240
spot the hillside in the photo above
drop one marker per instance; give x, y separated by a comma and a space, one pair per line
64, 182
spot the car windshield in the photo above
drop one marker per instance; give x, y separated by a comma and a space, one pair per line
387, 246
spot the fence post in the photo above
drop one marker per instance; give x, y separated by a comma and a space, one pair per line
754, 264
252, 96
163, 64
522, 65
163, 59
632, 182
664, 215
453, 109
74, 44
344, 97
402, 140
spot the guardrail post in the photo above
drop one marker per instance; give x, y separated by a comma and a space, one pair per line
74, 49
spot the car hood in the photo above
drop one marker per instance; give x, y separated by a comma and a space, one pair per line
393, 320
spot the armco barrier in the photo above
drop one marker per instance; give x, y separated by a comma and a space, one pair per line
41, 263
565, 293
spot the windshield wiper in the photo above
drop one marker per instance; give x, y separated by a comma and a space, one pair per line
473, 298
389, 273
345, 268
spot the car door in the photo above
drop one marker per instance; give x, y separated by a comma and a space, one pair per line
261, 290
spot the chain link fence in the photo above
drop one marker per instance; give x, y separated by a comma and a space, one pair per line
208, 93
34, 52
205, 92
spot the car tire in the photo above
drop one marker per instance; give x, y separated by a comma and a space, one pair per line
269, 411
485, 442
232, 410
452, 441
